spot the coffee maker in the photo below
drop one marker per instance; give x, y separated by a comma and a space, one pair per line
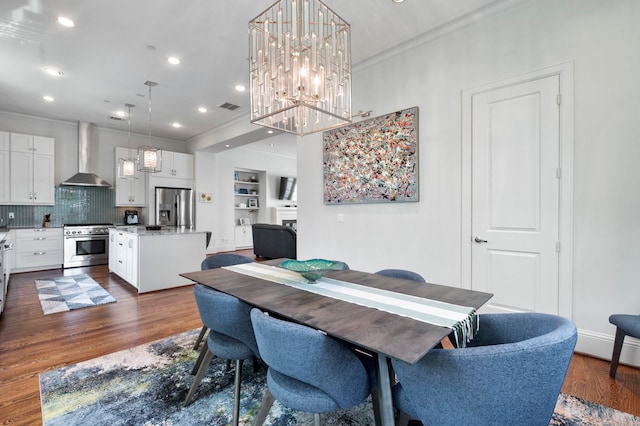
131, 217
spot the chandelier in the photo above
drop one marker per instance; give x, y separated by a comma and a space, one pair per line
149, 158
127, 166
300, 67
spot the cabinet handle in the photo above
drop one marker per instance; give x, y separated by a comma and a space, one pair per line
39, 238
39, 230
39, 253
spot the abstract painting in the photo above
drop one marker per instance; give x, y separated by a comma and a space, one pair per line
372, 161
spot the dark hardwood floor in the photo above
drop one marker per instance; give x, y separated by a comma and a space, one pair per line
31, 343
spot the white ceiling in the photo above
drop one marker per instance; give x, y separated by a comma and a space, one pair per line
107, 57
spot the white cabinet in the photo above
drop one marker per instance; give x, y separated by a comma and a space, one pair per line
38, 248
123, 255
5, 171
130, 192
243, 236
176, 165
32, 169
153, 260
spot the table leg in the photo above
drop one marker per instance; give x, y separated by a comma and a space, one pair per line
384, 391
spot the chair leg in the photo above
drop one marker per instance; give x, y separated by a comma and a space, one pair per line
203, 331
203, 368
265, 406
203, 352
236, 393
617, 348
316, 419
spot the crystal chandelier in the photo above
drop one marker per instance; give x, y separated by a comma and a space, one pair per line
149, 158
127, 166
300, 67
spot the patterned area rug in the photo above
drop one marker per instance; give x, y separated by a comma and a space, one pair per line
61, 294
146, 385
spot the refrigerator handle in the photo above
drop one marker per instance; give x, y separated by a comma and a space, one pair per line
178, 210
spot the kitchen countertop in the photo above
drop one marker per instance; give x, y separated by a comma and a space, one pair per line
2, 235
142, 231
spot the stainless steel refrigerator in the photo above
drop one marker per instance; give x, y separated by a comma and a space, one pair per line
175, 207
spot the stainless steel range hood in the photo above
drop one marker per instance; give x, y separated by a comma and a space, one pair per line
86, 160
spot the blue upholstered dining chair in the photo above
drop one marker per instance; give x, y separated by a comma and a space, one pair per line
402, 273
308, 370
626, 325
511, 372
213, 262
230, 336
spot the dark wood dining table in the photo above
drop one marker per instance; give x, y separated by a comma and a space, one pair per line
381, 333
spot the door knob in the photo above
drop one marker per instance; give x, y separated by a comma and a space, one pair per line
479, 240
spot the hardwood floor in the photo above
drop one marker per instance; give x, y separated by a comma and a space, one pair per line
31, 343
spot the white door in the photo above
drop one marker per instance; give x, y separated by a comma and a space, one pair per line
515, 195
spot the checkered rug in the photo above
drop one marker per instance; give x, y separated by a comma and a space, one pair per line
61, 294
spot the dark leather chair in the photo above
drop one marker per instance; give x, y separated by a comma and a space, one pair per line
274, 241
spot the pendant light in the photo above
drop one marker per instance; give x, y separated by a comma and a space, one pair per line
300, 67
149, 158
127, 166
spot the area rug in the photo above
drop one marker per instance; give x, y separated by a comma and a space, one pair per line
69, 292
147, 384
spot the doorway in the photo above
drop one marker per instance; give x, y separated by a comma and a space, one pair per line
517, 181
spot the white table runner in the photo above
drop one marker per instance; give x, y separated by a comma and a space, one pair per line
462, 320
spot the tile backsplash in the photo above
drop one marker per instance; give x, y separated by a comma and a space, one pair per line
73, 204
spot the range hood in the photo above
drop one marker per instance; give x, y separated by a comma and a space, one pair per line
86, 158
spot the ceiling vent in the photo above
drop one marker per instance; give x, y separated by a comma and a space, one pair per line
229, 106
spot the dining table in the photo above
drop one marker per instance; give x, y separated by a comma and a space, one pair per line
376, 331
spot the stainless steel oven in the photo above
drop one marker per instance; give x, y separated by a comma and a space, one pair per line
86, 244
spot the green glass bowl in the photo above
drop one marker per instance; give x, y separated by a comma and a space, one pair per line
314, 269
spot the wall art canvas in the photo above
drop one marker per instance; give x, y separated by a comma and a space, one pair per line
372, 161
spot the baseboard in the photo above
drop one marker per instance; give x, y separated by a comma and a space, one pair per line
600, 345
221, 248
590, 343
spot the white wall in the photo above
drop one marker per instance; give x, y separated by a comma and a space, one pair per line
214, 174
600, 39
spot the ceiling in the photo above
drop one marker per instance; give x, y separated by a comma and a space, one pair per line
117, 45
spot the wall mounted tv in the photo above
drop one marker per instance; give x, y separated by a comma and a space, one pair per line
287, 188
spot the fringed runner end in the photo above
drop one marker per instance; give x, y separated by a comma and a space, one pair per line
464, 331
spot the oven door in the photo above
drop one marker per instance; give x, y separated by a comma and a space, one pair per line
83, 250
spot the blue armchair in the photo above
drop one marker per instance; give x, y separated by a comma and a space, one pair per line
626, 324
308, 370
511, 372
213, 262
402, 273
230, 336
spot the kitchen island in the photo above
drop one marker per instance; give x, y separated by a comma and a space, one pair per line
152, 260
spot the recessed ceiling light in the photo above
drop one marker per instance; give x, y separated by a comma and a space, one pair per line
270, 131
202, 109
177, 125
65, 22
54, 72
240, 88
121, 113
48, 98
173, 60
397, 1
227, 146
